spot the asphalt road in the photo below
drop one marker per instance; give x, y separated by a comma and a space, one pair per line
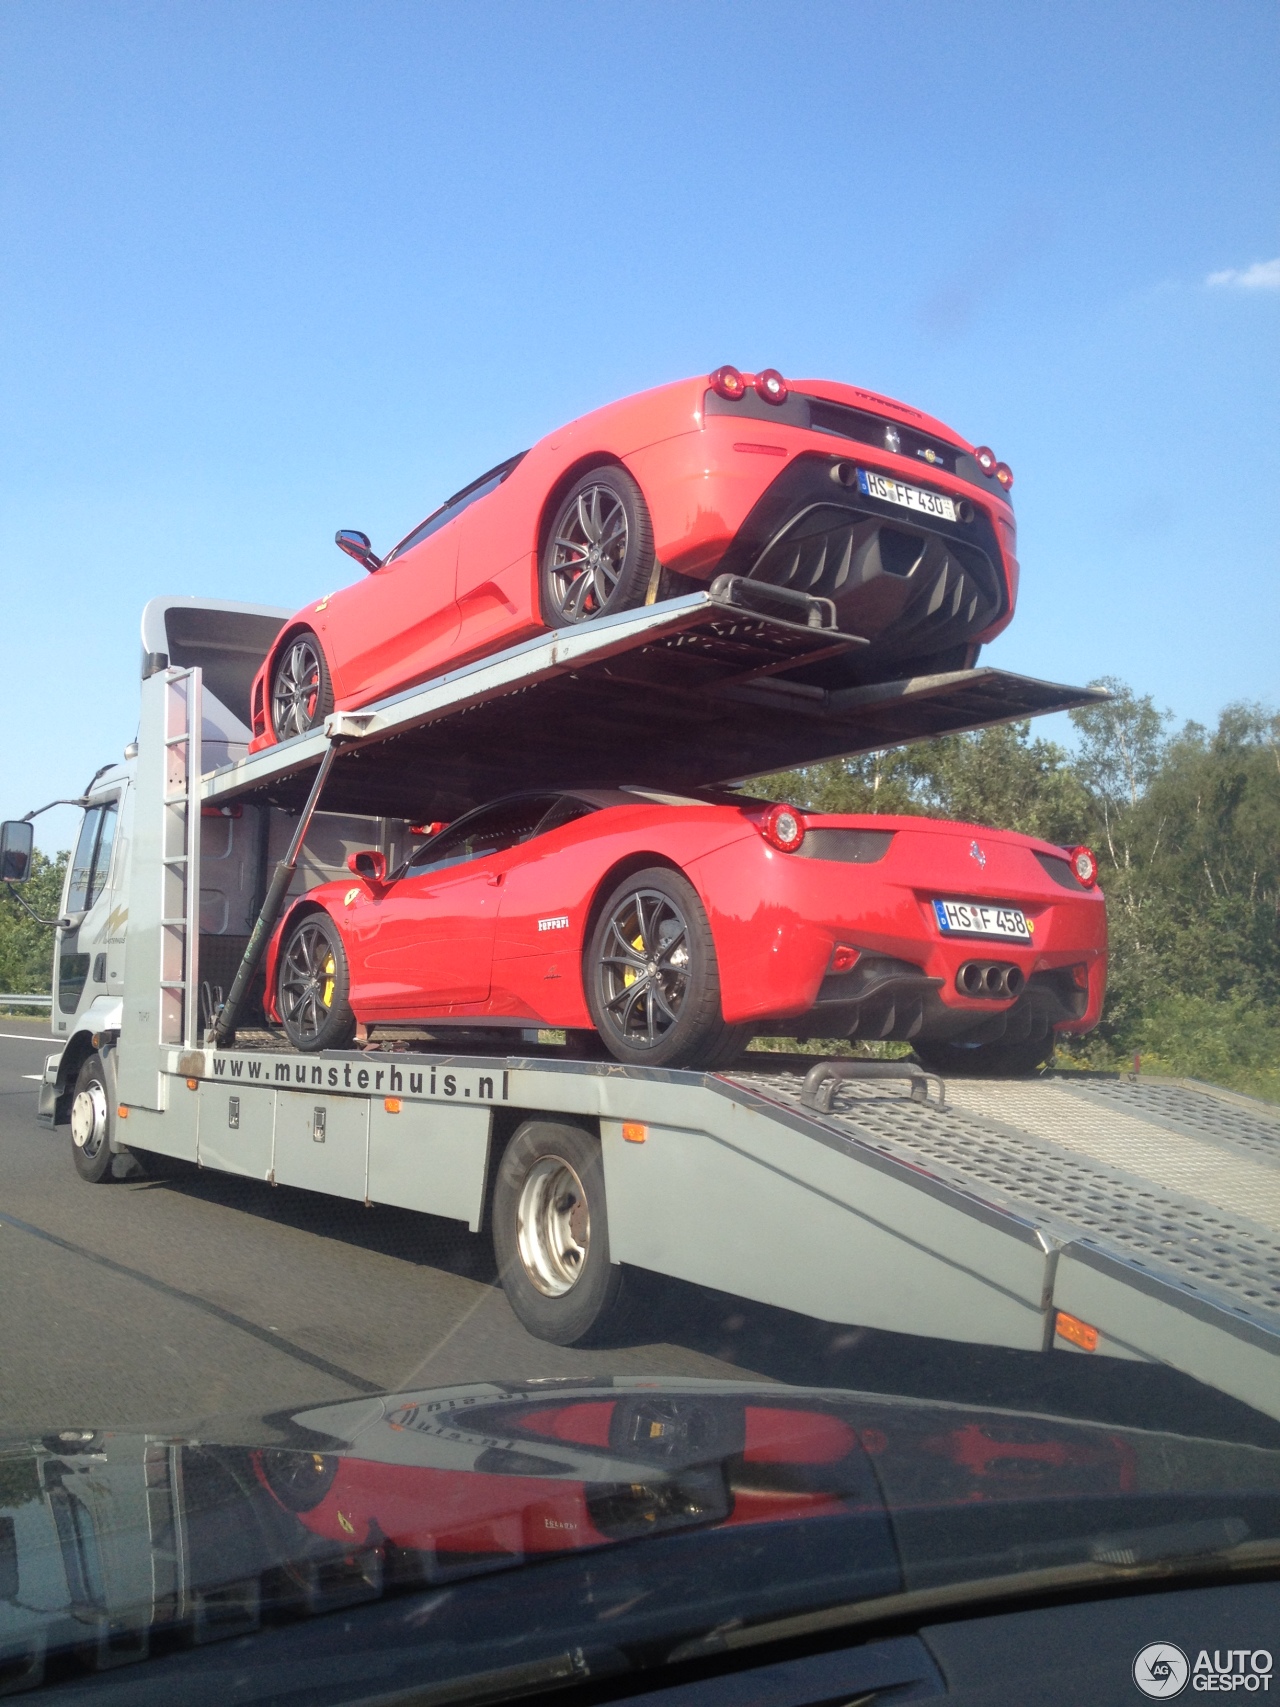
164, 1301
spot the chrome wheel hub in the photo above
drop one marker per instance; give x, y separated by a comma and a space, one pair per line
553, 1226
89, 1119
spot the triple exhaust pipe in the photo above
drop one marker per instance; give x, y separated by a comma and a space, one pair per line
996, 980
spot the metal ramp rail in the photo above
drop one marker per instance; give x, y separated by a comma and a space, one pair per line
1160, 1203
693, 691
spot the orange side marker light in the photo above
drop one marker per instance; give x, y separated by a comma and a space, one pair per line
634, 1131
193, 1084
1077, 1332
391, 1104
122, 1113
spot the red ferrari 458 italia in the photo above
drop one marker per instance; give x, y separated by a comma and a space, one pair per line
814, 486
675, 928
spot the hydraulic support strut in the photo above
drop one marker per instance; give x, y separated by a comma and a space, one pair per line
223, 1028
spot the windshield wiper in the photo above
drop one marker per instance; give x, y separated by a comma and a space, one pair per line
1165, 1551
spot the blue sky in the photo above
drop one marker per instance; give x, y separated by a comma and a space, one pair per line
274, 269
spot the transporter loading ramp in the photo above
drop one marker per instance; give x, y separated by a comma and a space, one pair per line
695, 691
1025, 1214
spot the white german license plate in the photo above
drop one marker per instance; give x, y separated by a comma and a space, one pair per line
969, 918
874, 485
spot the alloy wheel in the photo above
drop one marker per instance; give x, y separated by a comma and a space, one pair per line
295, 692
644, 967
588, 554
308, 978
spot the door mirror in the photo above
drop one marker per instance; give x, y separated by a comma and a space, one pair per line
356, 544
371, 865
17, 841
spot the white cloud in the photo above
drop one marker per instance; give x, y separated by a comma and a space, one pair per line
1262, 275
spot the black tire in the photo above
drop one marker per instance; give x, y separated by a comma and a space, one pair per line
313, 985
598, 558
93, 1119
651, 977
986, 1060
301, 692
551, 1233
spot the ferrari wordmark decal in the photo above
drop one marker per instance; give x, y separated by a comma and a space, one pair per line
559, 923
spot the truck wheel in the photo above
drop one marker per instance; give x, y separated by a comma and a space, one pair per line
93, 1119
986, 1060
599, 554
301, 691
652, 982
312, 985
551, 1232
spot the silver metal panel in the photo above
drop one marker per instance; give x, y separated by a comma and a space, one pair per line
1134, 1312
322, 1142
1070, 1195
236, 1130
758, 1211
430, 1156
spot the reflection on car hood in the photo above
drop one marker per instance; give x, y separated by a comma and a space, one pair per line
686, 1503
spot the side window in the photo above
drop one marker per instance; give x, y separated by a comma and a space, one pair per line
491, 830
91, 865
456, 505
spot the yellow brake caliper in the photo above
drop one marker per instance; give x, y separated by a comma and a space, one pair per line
330, 978
630, 974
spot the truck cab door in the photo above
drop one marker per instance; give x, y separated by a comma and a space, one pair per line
83, 956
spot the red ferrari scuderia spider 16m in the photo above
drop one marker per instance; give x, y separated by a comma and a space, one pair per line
813, 486
675, 928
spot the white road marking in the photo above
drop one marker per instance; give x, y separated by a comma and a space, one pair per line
27, 1037
38, 1077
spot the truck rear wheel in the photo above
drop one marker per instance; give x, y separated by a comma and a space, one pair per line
551, 1232
93, 1119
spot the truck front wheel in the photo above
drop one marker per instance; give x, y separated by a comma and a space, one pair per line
93, 1120
551, 1232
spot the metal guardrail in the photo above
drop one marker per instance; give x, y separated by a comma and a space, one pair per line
8, 1000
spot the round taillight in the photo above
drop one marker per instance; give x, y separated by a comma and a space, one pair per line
844, 958
1084, 865
728, 382
1004, 474
783, 827
985, 458
771, 386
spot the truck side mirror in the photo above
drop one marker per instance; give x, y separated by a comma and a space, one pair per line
17, 841
356, 544
371, 865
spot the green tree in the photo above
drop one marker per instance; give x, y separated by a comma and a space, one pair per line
26, 948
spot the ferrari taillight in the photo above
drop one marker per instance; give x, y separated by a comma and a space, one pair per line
728, 382
1084, 865
985, 458
843, 958
783, 828
1004, 474
771, 386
